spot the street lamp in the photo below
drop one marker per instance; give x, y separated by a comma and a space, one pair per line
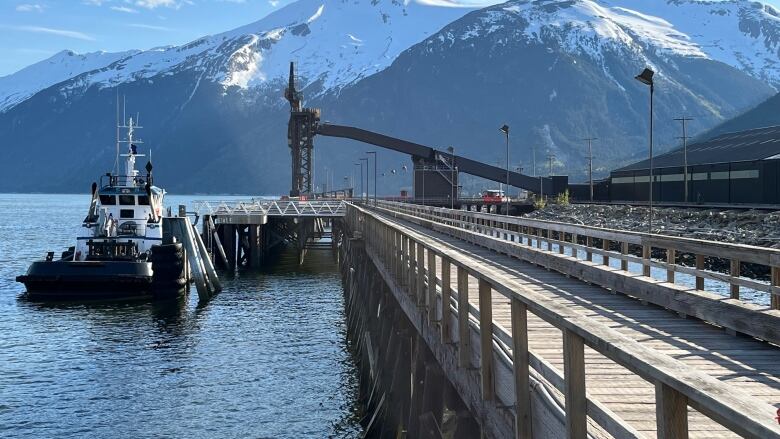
646, 77
364, 188
505, 129
451, 150
361, 178
375, 156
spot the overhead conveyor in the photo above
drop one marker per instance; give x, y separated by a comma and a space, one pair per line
436, 172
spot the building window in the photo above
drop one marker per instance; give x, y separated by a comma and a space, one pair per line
143, 200
672, 177
720, 175
127, 200
748, 173
622, 180
108, 200
699, 176
127, 213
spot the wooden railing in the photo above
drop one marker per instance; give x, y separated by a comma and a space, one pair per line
411, 263
615, 244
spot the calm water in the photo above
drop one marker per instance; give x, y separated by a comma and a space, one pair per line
265, 358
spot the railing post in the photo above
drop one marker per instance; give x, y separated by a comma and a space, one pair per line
646, 253
734, 273
574, 381
412, 290
671, 413
539, 239
420, 283
446, 294
671, 259
574, 239
773, 298
624, 252
431, 286
486, 339
588, 245
464, 334
561, 242
403, 273
699, 266
520, 366
605, 247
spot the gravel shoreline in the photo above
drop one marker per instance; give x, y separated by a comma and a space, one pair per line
751, 227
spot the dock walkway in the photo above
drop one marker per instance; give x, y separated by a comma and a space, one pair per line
626, 401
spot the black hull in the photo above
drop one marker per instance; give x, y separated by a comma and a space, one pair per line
93, 280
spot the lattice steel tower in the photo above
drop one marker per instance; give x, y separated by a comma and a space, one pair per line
300, 138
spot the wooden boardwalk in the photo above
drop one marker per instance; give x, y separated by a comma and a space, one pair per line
746, 363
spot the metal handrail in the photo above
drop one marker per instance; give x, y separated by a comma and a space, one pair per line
314, 208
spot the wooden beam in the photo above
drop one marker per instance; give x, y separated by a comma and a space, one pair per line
647, 253
520, 368
670, 261
734, 289
431, 287
464, 335
446, 294
574, 377
699, 266
486, 339
671, 413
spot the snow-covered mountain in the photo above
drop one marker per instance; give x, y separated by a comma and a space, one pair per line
556, 70
17, 87
335, 42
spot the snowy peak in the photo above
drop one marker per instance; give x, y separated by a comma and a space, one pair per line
334, 42
60, 67
741, 33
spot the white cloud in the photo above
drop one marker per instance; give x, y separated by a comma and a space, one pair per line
273, 3
124, 9
52, 31
26, 7
150, 27
152, 4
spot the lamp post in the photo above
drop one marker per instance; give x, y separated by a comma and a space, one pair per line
505, 129
590, 164
684, 138
451, 150
646, 77
364, 188
360, 194
375, 157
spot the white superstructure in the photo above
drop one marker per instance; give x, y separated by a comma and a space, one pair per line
125, 216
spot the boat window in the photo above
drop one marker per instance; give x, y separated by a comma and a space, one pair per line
127, 213
143, 200
127, 200
108, 200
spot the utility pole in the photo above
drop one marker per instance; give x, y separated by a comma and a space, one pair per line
551, 157
684, 120
590, 164
505, 129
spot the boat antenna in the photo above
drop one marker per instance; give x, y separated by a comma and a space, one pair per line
116, 158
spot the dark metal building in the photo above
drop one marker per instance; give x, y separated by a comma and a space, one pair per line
733, 168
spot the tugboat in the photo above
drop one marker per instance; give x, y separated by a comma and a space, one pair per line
120, 252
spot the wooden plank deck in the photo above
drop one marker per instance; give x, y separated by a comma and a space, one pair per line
749, 364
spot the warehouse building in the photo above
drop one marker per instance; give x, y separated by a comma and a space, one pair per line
733, 168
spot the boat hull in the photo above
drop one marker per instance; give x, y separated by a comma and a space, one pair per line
80, 280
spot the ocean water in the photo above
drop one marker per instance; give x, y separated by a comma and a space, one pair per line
266, 358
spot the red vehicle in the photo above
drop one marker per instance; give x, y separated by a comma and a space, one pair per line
494, 196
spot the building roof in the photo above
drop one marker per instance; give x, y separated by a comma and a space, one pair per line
755, 144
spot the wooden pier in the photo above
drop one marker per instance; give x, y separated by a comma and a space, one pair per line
243, 233
575, 331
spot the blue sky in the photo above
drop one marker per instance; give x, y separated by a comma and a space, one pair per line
32, 30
